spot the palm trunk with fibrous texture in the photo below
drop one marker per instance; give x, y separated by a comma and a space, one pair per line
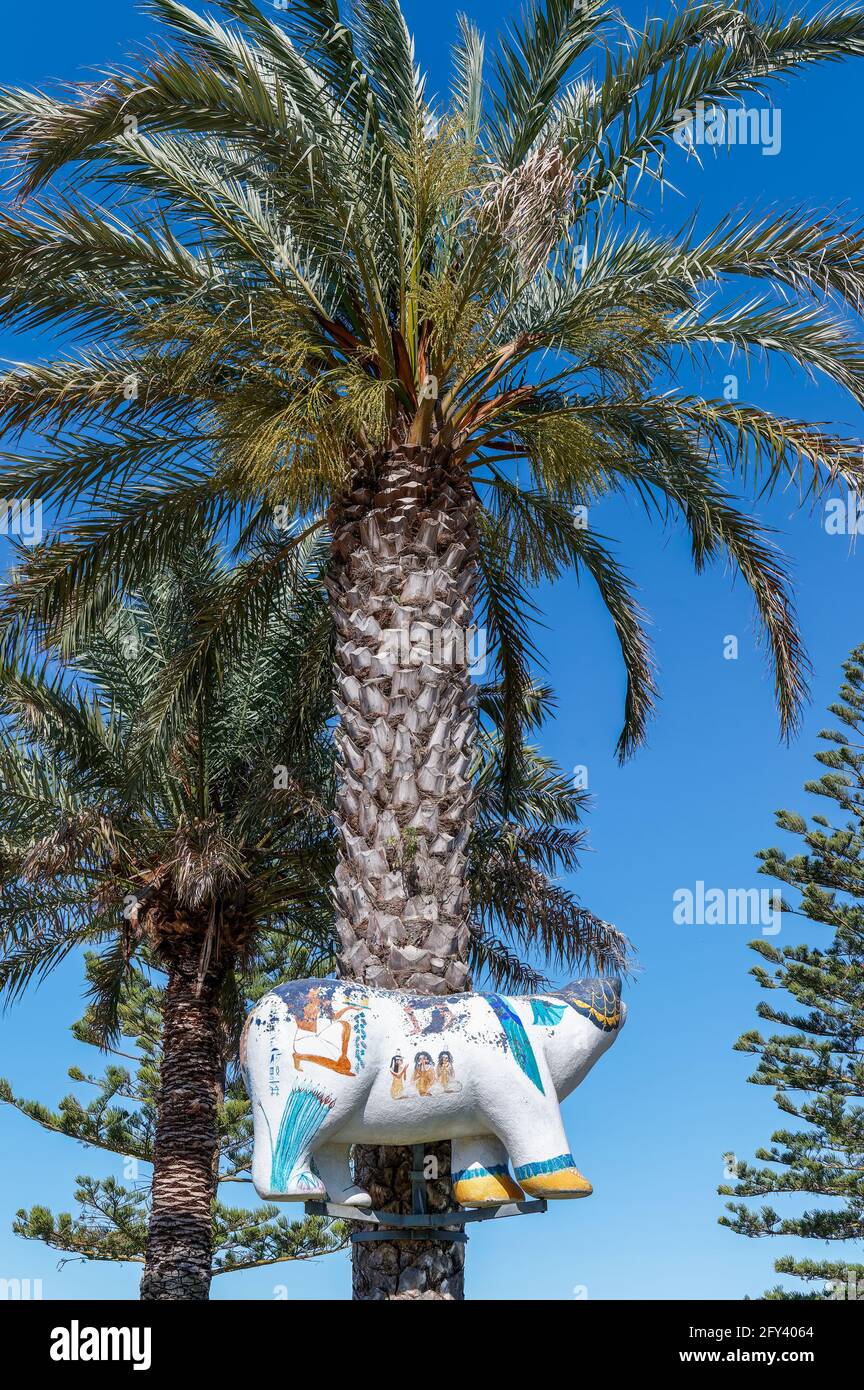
401, 582
186, 1148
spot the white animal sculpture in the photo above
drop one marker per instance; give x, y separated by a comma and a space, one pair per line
330, 1063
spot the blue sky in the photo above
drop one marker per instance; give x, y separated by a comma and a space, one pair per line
651, 1124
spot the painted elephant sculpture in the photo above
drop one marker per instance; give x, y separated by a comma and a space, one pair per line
330, 1063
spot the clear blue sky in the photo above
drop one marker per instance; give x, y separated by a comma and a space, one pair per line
650, 1125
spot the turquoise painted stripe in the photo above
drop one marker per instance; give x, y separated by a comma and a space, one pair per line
520, 1044
549, 1165
498, 1170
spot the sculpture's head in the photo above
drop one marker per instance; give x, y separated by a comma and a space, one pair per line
581, 1021
597, 1000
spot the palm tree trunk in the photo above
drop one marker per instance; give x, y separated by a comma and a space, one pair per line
402, 582
185, 1152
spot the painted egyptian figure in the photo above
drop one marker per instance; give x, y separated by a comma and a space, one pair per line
398, 1071
444, 1071
323, 1034
424, 1074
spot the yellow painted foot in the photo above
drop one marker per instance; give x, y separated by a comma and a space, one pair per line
547, 1180
477, 1187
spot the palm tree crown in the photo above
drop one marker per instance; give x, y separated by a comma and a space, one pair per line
109, 838
293, 253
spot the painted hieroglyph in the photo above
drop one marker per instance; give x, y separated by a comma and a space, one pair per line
329, 1064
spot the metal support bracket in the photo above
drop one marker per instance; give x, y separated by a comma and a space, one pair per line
428, 1233
436, 1225
421, 1224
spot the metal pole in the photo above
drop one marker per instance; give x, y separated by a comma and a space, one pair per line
418, 1181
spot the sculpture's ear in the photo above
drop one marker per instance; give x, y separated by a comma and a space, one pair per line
547, 1012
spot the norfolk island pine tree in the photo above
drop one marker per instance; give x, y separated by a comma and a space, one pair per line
816, 1064
120, 1118
332, 291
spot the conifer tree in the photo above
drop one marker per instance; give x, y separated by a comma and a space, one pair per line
816, 1064
112, 1216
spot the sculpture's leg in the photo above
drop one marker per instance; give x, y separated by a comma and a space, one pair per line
333, 1163
533, 1134
481, 1177
282, 1168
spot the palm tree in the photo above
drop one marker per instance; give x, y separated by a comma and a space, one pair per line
196, 857
316, 286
